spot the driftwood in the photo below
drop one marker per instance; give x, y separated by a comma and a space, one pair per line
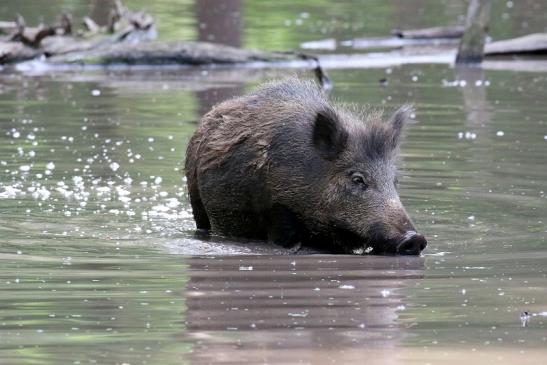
528, 44
420, 44
32, 36
23, 43
471, 49
127, 39
532, 44
11, 52
8, 27
164, 53
430, 33
90, 25
436, 36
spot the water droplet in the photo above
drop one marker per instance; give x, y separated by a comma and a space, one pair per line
346, 286
114, 166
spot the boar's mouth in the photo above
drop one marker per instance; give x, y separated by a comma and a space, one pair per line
349, 242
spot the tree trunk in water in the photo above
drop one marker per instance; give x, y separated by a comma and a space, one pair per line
471, 49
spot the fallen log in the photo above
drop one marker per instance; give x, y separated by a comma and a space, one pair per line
58, 45
396, 42
529, 44
125, 26
7, 27
165, 53
430, 33
11, 52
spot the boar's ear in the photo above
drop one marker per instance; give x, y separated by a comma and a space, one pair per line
398, 121
329, 136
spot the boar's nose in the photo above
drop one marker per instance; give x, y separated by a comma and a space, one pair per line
411, 244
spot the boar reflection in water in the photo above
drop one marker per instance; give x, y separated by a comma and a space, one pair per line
284, 164
299, 307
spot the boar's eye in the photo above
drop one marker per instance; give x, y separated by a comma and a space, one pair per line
358, 179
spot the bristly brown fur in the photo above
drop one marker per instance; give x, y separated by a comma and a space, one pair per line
234, 118
279, 163
383, 138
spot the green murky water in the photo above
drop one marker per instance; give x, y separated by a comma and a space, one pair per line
98, 258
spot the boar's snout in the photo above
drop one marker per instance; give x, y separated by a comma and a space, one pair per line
412, 243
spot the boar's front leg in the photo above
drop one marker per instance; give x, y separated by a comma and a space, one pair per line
285, 228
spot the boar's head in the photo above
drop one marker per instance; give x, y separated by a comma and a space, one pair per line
358, 195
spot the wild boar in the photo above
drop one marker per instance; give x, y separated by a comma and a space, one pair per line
286, 165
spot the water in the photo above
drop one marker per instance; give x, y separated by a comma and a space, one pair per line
99, 262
